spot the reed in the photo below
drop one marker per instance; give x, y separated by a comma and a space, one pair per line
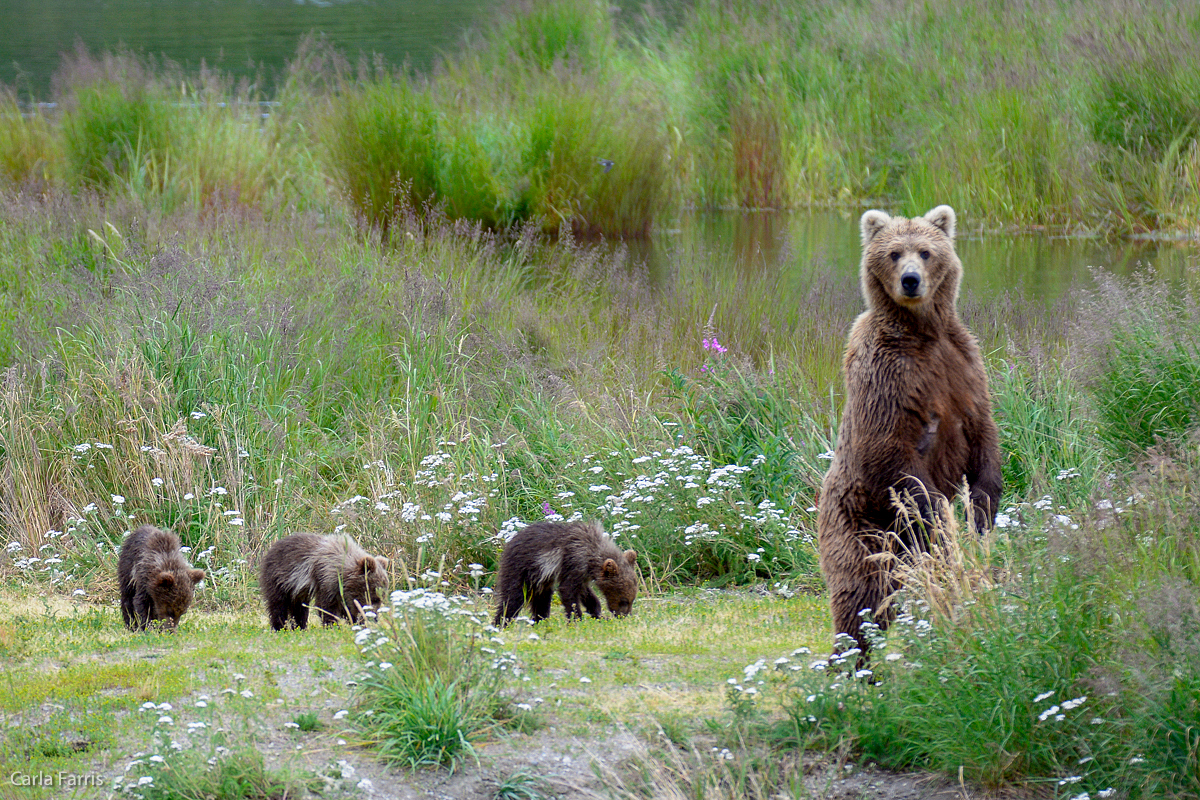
569, 114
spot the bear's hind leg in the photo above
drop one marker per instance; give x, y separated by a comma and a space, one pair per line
506, 611
856, 579
850, 596
570, 593
276, 619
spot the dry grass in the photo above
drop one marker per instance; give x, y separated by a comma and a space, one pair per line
954, 570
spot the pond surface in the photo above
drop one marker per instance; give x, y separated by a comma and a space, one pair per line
1039, 266
244, 38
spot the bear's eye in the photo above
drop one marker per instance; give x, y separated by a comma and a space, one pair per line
925, 255
895, 254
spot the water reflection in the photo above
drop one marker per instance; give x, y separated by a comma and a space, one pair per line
797, 246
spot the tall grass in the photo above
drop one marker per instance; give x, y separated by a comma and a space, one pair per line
241, 379
577, 115
134, 128
30, 153
1144, 363
238, 379
1008, 667
383, 144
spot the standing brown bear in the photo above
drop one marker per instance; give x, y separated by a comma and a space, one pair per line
570, 555
918, 415
331, 574
157, 582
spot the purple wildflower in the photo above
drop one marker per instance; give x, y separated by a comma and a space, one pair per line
713, 344
546, 508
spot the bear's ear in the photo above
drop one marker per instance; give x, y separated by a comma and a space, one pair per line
942, 218
164, 580
366, 564
872, 223
382, 562
609, 568
196, 575
631, 556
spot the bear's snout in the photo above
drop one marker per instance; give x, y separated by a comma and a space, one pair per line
910, 283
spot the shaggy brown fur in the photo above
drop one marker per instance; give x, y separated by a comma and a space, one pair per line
331, 574
156, 581
918, 414
570, 555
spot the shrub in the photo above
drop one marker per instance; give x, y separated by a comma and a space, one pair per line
1142, 363
116, 134
596, 154
431, 684
381, 137
29, 146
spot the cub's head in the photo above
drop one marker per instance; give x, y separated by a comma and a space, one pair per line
171, 593
618, 582
910, 263
365, 585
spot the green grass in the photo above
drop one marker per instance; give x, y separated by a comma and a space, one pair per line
252, 686
96, 690
233, 776
430, 688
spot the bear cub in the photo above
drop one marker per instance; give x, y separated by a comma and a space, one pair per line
569, 555
156, 580
330, 574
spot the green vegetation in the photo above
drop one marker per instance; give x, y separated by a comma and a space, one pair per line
231, 776
606, 121
247, 692
1013, 668
241, 327
431, 687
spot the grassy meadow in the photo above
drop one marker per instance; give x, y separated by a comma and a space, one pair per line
377, 303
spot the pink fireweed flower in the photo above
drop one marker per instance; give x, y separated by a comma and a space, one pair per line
546, 509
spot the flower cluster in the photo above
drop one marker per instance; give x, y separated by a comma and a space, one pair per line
184, 733
710, 344
389, 629
470, 494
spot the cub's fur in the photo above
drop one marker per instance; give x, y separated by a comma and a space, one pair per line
331, 574
156, 580
570, 555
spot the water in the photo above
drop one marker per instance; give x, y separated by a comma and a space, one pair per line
254, 38
245, 38
1039, 266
